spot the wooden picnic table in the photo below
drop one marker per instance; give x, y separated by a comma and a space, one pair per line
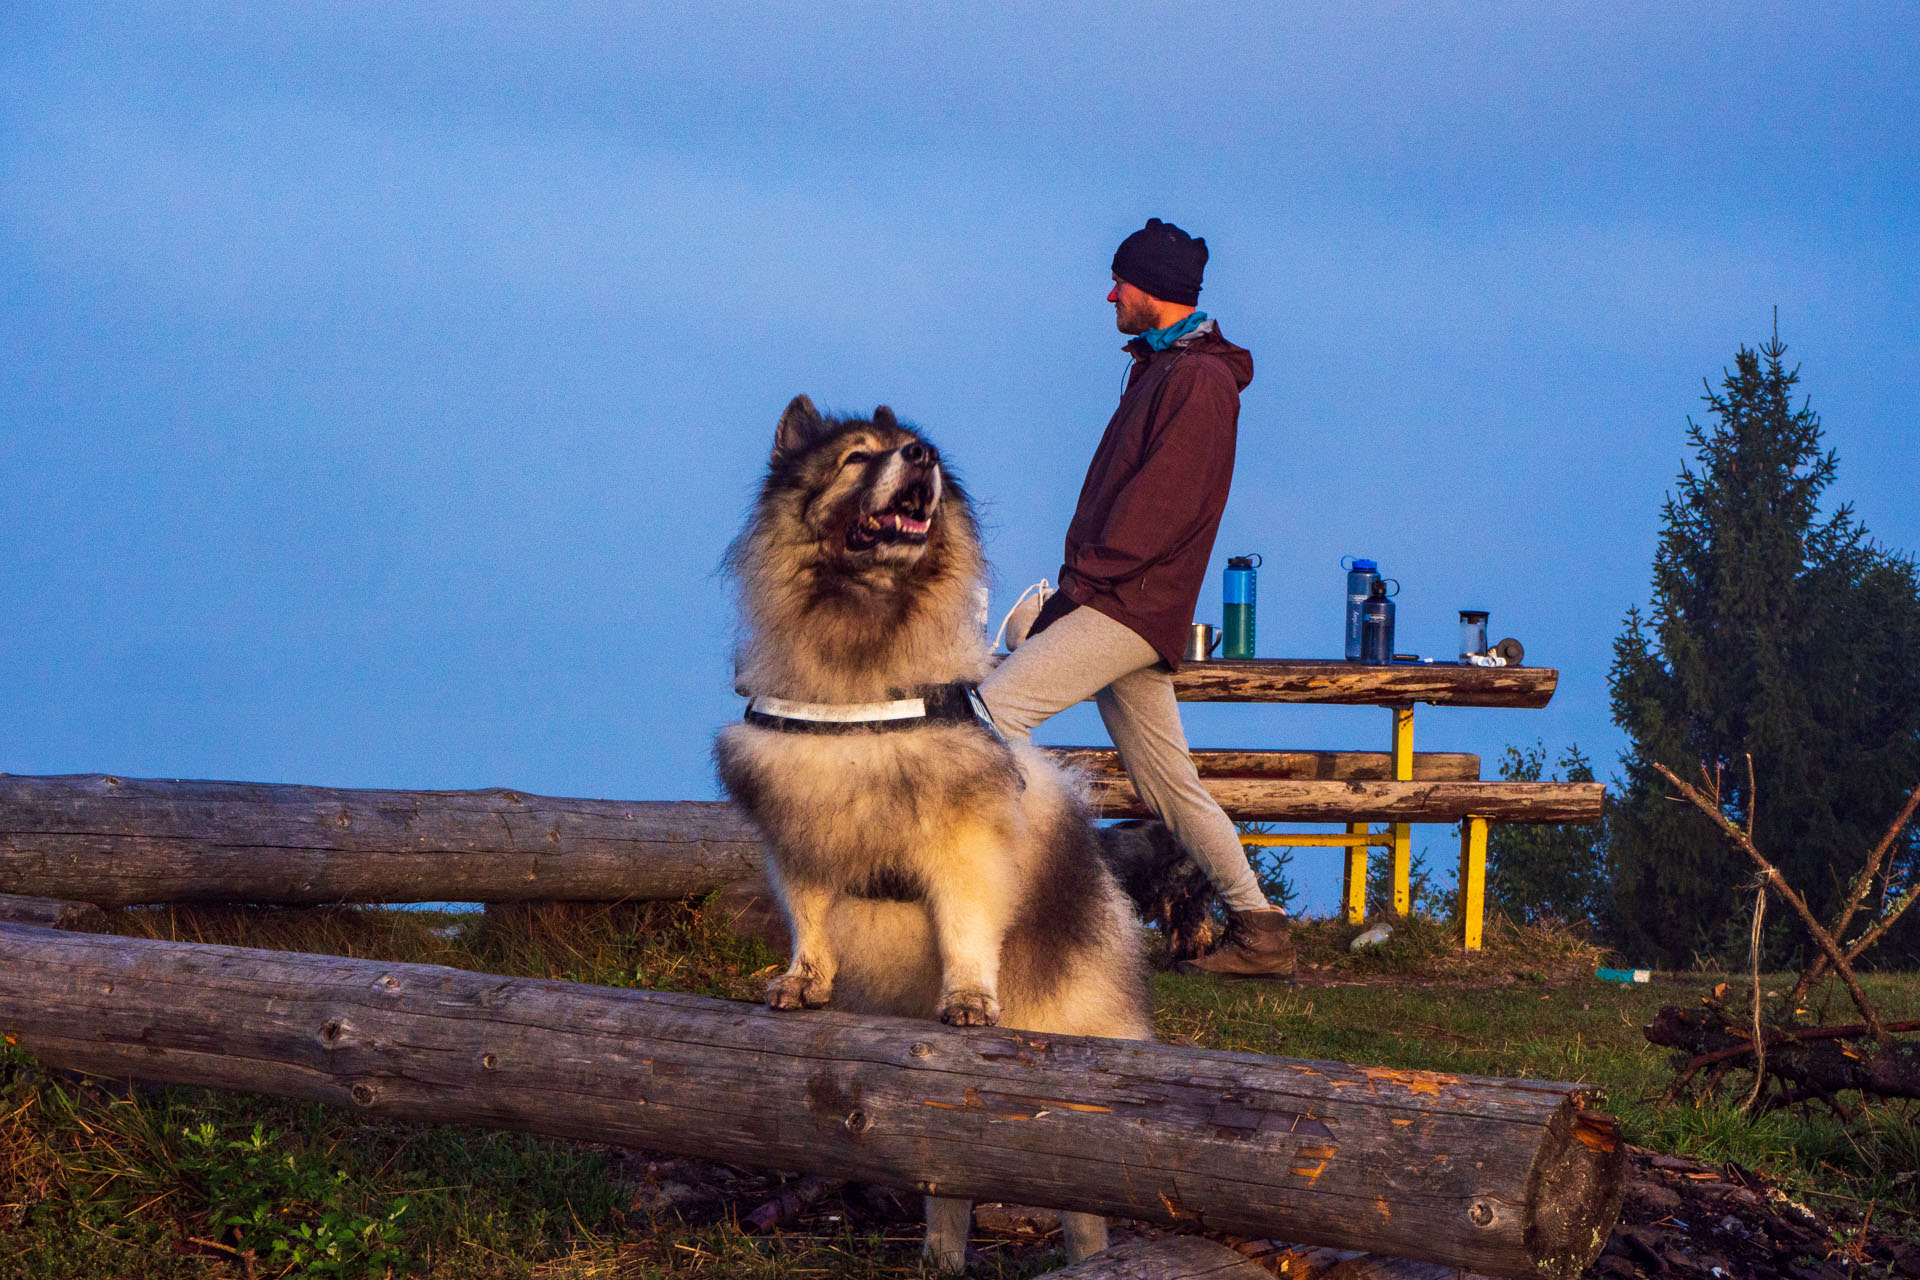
1358, 788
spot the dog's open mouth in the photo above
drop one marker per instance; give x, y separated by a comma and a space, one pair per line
891, 525
906, 522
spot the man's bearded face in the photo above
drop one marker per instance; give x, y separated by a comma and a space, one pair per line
1134, 309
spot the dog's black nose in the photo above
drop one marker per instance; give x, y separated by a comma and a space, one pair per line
919, 452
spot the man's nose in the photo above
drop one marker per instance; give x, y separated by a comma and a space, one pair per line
1113, 294
919, 453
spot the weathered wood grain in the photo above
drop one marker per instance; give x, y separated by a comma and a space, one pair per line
1356, 684
1278, 800
1173, 1258
118, 841
1295, 766
1353, 684
1376, 1266
51, 913
1511, 1177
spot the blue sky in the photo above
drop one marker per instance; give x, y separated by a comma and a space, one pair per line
380, 384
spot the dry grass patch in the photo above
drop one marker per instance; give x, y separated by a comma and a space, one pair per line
1425, 950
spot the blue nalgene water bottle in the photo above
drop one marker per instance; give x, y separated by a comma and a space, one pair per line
1376, 626
1237, 590
1361, 575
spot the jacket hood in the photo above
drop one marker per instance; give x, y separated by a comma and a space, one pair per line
1205, 340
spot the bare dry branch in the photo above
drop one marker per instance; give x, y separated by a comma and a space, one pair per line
1779, 882
1753, 798
1759, 918
1856, 895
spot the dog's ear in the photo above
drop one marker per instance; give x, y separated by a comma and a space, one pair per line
883, 417
799, 427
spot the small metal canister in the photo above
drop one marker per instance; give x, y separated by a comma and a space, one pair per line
1201, 642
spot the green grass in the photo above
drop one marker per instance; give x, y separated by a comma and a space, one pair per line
100, 1181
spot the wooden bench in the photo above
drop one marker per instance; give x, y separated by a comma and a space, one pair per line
1102, 764
1396, 787
1345, 786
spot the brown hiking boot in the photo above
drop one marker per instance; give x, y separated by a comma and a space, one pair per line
1259, 944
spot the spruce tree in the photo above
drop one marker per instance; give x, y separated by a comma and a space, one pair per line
1776, 633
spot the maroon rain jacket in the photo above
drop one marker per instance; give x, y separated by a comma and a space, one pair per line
1142, 534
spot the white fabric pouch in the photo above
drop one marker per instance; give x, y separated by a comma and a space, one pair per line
1019, 620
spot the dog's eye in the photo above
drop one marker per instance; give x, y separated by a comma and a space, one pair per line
858, 455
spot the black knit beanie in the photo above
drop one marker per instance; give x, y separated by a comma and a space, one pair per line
1163, 260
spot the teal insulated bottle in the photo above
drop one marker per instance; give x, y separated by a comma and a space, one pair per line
1237, 592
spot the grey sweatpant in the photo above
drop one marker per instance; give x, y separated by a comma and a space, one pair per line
1087, 654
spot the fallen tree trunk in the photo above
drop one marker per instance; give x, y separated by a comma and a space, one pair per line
1813, 1062
121, 841
1509, 1177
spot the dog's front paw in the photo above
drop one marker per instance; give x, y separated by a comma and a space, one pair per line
969, 1009
798, 989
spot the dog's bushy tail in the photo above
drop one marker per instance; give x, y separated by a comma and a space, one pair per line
1168, 888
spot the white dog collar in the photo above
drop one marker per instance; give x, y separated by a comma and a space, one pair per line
956, 703
840, 712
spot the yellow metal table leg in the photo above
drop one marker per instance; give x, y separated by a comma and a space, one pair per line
1402, 853
1473, 879
1402, 869
1403, 744
1353, 886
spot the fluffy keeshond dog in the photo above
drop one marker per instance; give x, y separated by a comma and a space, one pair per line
928, 868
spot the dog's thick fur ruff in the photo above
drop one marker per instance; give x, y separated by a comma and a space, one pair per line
936, 872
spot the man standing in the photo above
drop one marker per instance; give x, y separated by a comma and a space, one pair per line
1137, 552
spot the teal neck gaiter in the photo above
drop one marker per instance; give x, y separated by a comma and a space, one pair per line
1161, 339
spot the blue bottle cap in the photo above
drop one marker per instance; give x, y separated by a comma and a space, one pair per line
1359, 564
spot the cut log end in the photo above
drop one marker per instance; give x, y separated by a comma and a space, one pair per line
1575, 1189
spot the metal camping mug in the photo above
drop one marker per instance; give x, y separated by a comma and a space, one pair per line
1201, 642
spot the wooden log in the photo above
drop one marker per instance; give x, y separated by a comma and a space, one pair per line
1511, 1177
51, 913
1353, 684
1277, 800
1325, 766
1172, 1258
118, 841
121, 841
